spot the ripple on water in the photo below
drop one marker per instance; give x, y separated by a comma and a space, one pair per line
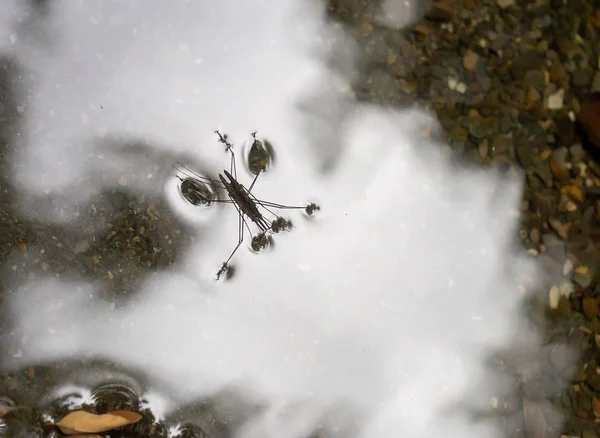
192, 195
6, 405
113, 396
259, 155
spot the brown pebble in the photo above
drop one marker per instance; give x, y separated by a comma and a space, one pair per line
590, 307
596, 407
423, 29
440, 11
470, 60
559, 228
573, 192
558, 164
534, 235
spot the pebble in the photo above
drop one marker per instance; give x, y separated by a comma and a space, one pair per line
559, 228
461, 87
582, 77
573, 192
583, 280
595, 87
470, 60
590, 308
553, 297
505, 3
556, 100
542, 170
566, 289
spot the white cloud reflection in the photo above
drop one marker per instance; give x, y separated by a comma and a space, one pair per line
387, 302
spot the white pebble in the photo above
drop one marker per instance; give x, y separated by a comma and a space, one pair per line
505, 3
556, 100
566, 289
554, 297
567, 267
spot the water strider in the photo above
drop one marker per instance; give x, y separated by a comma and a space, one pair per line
200, 190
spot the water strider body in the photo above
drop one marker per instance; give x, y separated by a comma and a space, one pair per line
241, 197
199, 190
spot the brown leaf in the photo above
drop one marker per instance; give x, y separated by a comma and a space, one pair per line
85, 435
589, 118
132, 417
85, 422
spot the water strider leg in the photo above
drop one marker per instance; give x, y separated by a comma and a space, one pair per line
310, 208
275, 205
233, 168
189, 173
241, 222
253, 181
256, 176
266, 205
229, 147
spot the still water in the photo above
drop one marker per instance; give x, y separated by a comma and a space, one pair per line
371, 319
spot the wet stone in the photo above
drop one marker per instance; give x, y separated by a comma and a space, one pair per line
558, 164
559, 356
595, 87
556, 100
440, 11
584, 403
525, 63
545, 202
536, 78
480, 127
542, 170
504, 4
555, 248
500, 145
582, 78
583, 279
566, 401
524, 153
470, 60
505, 124
565, 130
576, 152
594, 381
559, 228
590, 307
